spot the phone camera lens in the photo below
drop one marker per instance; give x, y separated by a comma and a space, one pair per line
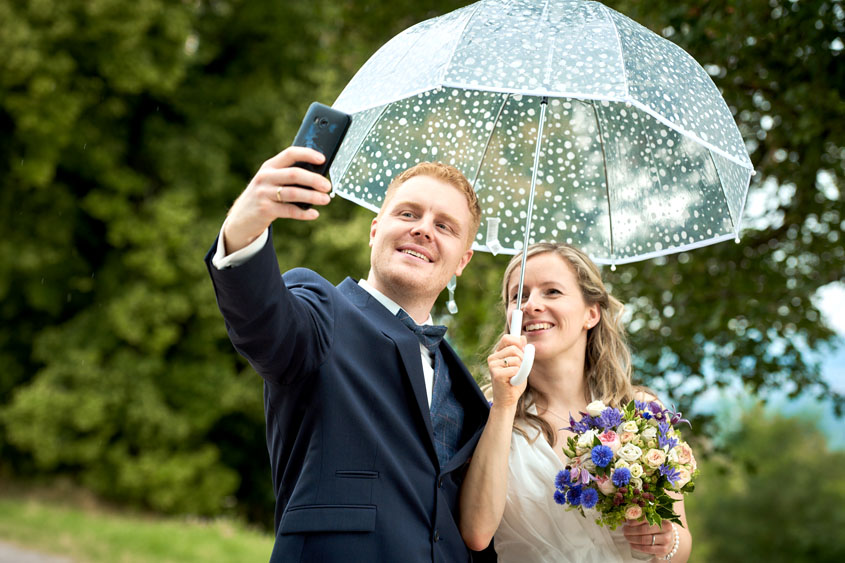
324, 122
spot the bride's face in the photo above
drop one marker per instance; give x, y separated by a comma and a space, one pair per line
555, 316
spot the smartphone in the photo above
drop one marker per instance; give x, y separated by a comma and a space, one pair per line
322, 129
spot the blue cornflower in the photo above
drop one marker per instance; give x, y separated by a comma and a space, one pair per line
672, 474
573, 496
621, 476
589, 498
610, 418
562, 480
560, 497
601, 455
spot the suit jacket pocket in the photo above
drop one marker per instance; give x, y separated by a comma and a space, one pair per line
329, 518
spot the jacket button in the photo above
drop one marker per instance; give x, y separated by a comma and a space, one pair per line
436, 536
440, 482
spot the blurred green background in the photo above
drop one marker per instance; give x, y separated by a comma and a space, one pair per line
129, 126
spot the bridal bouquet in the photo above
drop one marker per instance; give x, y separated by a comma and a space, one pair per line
624, 462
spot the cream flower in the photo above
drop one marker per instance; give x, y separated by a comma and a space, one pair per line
629, 452
630, 426
633, 512
595, 408
655, 458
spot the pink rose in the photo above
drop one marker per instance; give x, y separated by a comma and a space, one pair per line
684, 453
611, 440
684, 478
626, 437
633, 512
605, 484
655, 458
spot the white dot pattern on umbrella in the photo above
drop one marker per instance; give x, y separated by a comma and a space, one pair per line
639, 155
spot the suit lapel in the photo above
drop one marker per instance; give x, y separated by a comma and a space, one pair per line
406, 343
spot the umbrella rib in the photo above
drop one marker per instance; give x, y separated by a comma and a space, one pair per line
607, 14
734, 224
606, 179
458, 37
489, 138
547, 78
361, 142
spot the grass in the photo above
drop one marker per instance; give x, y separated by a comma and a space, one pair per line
88, 532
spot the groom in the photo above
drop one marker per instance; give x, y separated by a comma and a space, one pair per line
371, 418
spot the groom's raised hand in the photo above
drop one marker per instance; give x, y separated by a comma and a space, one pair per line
271, 195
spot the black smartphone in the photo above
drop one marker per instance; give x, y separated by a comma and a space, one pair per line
322, 129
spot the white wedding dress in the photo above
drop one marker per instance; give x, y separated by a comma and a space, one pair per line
535, 529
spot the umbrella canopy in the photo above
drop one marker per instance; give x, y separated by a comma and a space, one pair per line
573, 123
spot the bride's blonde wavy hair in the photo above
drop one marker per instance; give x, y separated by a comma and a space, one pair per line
607, 361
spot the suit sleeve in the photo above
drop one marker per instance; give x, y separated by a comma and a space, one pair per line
284, 333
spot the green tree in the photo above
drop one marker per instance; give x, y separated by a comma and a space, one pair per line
775, 497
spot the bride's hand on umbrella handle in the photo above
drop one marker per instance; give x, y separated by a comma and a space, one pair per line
504, 363
521, 376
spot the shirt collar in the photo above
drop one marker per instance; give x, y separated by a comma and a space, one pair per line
388, 303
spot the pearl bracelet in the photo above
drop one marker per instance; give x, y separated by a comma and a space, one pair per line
676, 543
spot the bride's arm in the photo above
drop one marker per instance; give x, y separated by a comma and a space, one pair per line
684, 535
484, 489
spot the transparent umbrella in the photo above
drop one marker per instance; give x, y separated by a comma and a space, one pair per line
573, 123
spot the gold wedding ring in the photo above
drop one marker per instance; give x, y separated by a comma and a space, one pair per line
279, 195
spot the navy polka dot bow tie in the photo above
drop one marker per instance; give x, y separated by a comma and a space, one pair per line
429, 335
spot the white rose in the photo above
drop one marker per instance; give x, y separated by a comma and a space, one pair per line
585, 440
636, 483
595, 408
629, 452
673, 455
650, 433
620, 463
636, 470
630, 426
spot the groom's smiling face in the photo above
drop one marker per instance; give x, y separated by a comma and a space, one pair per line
420, 239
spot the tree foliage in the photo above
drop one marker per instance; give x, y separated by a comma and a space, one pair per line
774, 498
128, 127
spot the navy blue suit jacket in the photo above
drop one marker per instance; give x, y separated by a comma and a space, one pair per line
353, 463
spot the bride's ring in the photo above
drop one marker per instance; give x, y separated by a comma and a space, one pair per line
652, 539
279, 195
505, 362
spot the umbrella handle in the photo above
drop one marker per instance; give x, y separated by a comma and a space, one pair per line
528, 355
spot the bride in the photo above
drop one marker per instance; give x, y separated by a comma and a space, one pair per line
581, 356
